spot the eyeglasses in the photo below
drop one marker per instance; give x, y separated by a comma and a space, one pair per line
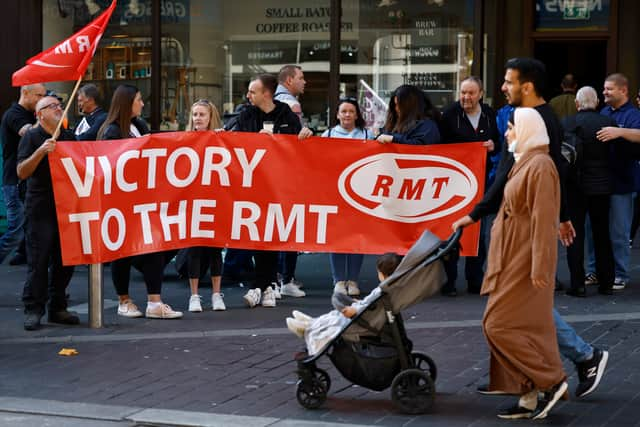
347, 99
53, 106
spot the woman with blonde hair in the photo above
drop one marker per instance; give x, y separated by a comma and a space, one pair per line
520, 279
204, 116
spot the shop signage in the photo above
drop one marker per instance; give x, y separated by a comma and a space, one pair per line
181, 189
567, 14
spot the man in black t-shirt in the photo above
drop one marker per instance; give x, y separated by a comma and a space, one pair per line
43, 239
16, 121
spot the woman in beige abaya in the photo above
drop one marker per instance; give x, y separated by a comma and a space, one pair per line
520, 278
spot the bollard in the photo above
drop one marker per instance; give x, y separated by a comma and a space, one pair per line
95, 296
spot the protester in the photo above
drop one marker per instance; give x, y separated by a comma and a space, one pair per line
204, 116
345, 268
564, 105
320, 330
123, 121
588, 192
281, 120
518, 320
470, 120
523, 84
16, 121
291, 85
411, 118
94, 115
47, 278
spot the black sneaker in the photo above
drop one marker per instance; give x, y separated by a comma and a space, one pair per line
484, 389
64, 317
515, 412
590, 372
32, 321
550, 399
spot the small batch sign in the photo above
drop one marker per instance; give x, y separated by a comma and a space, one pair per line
181, 189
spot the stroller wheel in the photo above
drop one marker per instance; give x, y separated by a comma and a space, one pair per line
322, 376
412, 391
311, 394
425, 363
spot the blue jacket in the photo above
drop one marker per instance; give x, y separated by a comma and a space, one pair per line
625, 170
339, 132
424, 132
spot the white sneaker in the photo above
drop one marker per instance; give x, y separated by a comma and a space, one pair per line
298, 283
195, 306
340, 288
291, 290
163, 311
277, 290
301, 316
352, 288
129, 309
268, 297
252, 297
217, 302
296, 326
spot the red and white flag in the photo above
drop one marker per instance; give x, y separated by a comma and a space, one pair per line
69, 59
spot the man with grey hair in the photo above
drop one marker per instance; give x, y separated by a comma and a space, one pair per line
16, 121
589, 186
94, 115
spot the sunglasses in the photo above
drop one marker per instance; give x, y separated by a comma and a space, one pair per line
53, 106
348, 99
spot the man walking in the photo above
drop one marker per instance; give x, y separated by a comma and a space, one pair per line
265, 115
16, 121
523, 84
94, 115
47, 278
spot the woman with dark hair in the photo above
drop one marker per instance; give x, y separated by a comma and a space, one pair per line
345, 268
123, 122
411, 118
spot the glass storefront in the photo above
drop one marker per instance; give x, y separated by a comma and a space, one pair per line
211, 48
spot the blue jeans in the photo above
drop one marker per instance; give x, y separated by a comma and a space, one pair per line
621, 215
287, 262
15, 221
345, 266
571, 345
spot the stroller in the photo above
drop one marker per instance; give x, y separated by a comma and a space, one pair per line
372, 350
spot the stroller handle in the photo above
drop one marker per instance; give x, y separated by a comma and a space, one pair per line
451, 242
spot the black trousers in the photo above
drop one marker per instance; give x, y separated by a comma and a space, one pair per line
473, 265
266, 268
597, 207
198, 256
152, 268
47, 278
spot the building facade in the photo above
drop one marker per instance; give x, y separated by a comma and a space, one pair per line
178, 51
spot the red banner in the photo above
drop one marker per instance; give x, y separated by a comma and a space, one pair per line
69, 59
244, 190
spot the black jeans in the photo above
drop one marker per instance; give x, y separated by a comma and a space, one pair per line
597, 207
43, 241
266, 268
152, 268
287, 262
473, 265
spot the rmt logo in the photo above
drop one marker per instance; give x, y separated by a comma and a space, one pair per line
407, 187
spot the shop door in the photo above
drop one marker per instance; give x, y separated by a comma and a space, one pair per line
585, 59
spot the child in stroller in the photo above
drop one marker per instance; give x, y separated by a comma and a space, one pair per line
318, 331
371, 349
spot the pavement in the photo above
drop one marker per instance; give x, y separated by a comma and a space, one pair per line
235, 368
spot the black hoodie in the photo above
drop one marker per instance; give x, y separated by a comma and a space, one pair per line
284, 120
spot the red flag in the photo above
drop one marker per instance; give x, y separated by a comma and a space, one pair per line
69, 59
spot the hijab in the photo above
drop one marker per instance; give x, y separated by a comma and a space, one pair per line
531, 132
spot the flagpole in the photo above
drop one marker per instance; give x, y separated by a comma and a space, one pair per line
66, 109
